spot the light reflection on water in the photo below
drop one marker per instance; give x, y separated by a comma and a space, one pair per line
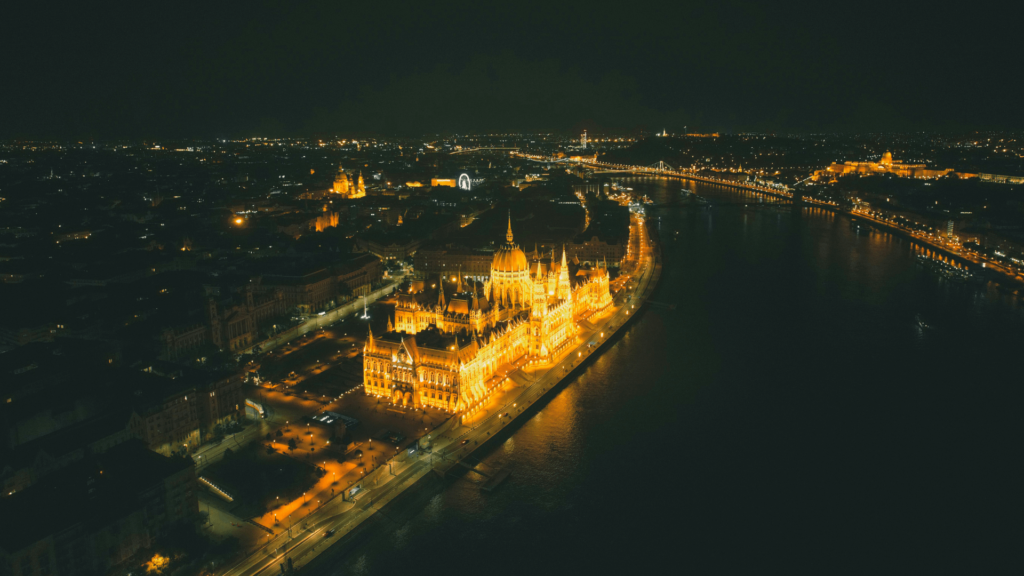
789, 412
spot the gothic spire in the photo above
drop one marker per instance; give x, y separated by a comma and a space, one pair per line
508, 236
440, 291
564, 289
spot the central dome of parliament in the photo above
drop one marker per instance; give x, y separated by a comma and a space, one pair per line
510, 258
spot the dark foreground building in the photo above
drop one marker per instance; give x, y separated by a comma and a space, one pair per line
97, 513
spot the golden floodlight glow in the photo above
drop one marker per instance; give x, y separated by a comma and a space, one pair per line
464, 382
157, 564
238, 220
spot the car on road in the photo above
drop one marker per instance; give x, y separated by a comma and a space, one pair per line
464, 442
329, 533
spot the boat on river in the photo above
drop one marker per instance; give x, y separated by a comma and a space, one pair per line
921, 323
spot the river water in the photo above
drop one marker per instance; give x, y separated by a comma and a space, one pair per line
790, 414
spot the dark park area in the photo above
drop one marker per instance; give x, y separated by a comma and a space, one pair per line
257, 478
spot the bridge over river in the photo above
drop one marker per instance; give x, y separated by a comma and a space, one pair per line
664, 169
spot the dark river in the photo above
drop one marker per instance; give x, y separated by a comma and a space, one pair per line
790, 415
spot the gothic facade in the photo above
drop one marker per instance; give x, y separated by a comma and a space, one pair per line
450, 352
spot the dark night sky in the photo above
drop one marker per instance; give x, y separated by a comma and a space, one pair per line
148, 69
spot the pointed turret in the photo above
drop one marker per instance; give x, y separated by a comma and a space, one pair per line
508, 235
391, 327
476, 302
537, 333
369, 339
458, 288
539, 300
440, 291
564, 289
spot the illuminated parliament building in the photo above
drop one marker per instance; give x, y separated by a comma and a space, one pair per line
445, 351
